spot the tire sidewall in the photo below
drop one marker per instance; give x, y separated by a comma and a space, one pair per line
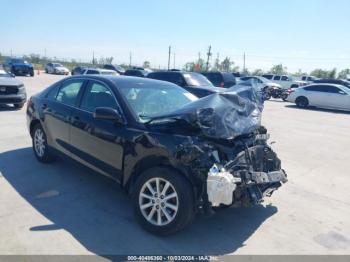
47, 156
184, 191
305, 102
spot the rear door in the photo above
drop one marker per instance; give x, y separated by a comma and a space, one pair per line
57, 109
94, 142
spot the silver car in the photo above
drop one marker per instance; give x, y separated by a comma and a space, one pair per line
12, 91
56, 68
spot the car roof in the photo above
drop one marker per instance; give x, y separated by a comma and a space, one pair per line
99, 69
117, 79
325, 84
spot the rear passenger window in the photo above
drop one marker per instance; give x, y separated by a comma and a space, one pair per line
277, 78
69, 92
332, 89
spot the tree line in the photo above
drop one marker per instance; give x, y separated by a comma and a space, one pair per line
226, 65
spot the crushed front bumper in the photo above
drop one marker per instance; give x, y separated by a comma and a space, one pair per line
253, 174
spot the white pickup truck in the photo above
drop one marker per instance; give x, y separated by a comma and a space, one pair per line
285, 81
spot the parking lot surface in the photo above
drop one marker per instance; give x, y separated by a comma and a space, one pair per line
63, 208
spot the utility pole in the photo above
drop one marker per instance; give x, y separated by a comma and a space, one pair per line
93, 57
174, 60
11, 52
208, 57
169, 57
130, 59
243, 62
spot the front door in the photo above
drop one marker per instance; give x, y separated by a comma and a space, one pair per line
94, 142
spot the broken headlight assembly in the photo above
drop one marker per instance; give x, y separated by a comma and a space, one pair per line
253, 174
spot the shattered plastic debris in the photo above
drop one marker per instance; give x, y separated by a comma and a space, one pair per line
220, 186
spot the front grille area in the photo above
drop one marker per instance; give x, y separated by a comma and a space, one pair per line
8, 90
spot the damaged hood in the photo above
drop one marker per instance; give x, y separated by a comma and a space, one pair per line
222, 115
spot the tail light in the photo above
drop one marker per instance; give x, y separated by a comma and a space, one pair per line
222, 84
290, 90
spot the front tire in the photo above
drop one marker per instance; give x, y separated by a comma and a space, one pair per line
302, 102
163, 201
40, 146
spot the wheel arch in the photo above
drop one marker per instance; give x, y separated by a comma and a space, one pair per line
152, 162
33, 123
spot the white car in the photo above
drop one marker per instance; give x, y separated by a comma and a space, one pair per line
285, 81
328, 96
56, 68
99, 71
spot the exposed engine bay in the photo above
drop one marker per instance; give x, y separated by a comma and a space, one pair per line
253, 174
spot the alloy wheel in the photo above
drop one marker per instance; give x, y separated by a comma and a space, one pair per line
158, 201
39, 142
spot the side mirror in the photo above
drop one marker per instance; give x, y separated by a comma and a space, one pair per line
342, 93
108, 113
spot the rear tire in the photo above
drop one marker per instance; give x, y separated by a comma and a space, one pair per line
40, 146
302, 102
163, 212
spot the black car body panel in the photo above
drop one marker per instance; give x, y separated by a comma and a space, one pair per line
202, 89
222, 130
116, 68
136, 72
220, 79
18, 67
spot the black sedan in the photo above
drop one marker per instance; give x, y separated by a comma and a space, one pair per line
195, 83
175, 154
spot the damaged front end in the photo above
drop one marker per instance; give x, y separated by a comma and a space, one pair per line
231, 158
253, 174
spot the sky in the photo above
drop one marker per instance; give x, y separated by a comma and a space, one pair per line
299, 34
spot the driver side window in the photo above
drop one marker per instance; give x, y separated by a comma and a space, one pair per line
98, 95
